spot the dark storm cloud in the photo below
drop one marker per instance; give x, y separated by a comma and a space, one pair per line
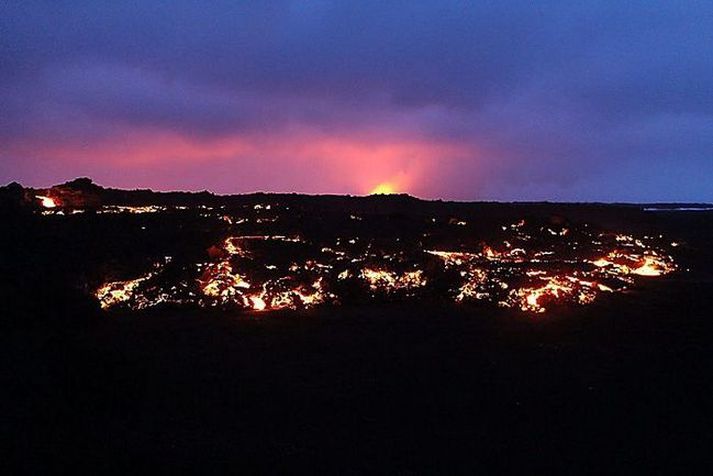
561, 100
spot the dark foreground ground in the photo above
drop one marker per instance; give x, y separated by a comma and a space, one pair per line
405, 390
624, 385
617, 388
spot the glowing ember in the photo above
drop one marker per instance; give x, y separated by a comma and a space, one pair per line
47, 202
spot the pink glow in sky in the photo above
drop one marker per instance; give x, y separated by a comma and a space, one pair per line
303, 162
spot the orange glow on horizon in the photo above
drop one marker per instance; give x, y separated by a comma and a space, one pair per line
302, 160
384, 188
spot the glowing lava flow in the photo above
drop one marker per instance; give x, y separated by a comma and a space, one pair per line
388, 281
534, 281
119, 292
648, 264
652, 266
223, 286
529, 267
556, 288
258, 303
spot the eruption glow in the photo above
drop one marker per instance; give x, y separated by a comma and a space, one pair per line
384, 188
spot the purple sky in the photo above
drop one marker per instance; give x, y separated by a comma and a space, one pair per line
589, 100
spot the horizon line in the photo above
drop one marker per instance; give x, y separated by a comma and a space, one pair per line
350, 195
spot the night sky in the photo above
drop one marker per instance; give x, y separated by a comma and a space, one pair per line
498, 100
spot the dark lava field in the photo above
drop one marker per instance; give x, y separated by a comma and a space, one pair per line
285, 333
